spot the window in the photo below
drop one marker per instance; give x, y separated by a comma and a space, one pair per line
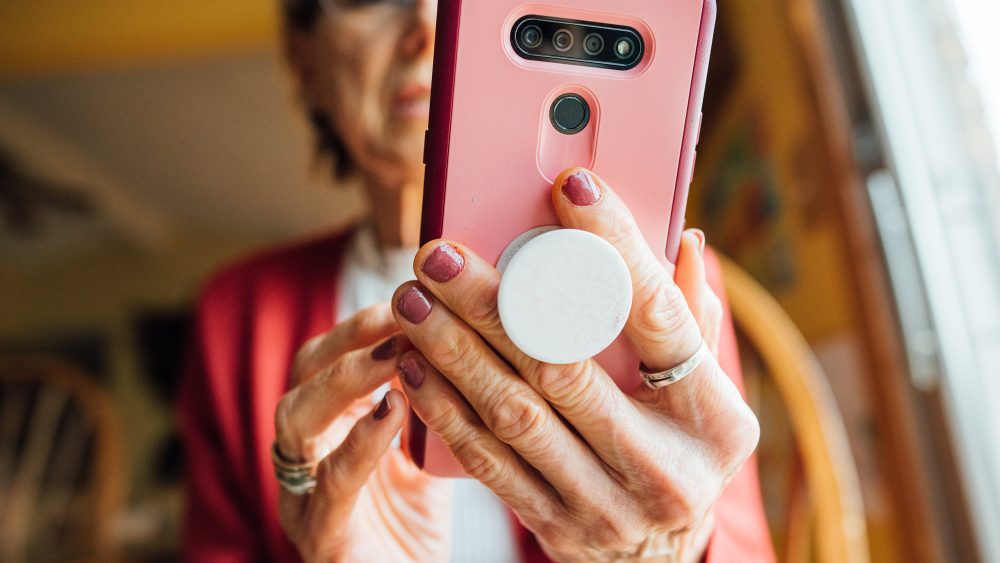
978, 22
933, 70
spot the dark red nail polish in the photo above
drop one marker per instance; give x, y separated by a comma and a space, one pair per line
581, 190
385, 350
383, 410
414, 304
444, 264
412, 373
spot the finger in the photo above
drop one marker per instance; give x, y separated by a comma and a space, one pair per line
661, 327
364, 328
341, 474
468, 286
305, 416
481, 454
691, 279
507, 405
583, 393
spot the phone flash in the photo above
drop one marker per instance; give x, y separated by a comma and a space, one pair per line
623, 48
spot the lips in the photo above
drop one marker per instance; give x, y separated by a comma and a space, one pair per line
412, 100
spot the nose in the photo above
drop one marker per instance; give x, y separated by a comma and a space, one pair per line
418, 41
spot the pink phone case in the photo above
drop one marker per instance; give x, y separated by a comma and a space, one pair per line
491, 157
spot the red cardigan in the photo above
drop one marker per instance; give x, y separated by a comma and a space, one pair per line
251, 319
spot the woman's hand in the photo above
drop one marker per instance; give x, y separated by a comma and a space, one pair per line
596, 474
370, 503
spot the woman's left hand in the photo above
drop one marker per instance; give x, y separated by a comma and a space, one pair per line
595, 473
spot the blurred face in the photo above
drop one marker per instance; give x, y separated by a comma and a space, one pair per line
367, 65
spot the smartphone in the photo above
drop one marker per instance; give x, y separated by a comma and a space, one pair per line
522, 91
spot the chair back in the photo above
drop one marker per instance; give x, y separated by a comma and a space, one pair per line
825, 519
61, 472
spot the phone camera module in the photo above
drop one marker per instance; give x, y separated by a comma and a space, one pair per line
593, 44
562, 40
531, 36
624, 47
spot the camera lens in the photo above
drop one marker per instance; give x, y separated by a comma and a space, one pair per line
531, 36
593, 44
624, 47
562, 40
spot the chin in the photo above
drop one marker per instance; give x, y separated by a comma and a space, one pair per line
397, 158
396, 173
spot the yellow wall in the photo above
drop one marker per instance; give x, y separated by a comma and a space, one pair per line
45, 36
773, 89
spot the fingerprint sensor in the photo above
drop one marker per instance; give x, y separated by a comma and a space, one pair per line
568, 122
570, 114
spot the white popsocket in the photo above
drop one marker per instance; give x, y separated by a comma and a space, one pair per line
564, 294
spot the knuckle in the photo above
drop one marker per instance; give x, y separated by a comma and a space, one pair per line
303, 360
363, 322
371, 318
516, 419
336, 474
568, 385
282, 416
733, 433
480, 306
449, 354
554, 532
662, 310
334, 374
287, 429
330, 378
535, 508
670, 504
444, 417
622, 231
610, 535
352, 448
741, 441
476, 460
671, 510
354, 327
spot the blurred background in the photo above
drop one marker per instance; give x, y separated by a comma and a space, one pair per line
848, 169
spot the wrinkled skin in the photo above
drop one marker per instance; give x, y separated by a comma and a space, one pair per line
370, 502
596, 474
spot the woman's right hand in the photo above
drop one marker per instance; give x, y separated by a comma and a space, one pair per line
370, 502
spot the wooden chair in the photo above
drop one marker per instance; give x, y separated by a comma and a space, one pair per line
61, 475
824, 520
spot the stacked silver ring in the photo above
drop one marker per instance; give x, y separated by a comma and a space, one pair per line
296, 478
660, 379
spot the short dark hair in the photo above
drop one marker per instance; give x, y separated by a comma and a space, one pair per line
300, 16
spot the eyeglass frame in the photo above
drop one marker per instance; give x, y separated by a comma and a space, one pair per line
332, 7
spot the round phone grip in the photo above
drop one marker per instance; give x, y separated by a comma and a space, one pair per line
564, 294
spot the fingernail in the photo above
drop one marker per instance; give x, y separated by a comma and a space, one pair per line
385, 350
383, 410
700, 235
581, 190
414, 305
412, 373
444, 264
